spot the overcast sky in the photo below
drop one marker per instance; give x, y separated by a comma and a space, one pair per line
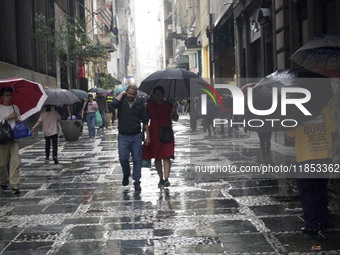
148, 16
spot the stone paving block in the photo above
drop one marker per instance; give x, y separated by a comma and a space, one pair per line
229, 227
130, 247
87, 232
130, 225
32, 248
79, 248
82, 220
9, 234
279, 209
200, 248
245, 192
284, 223
27, 210
297, 242
61, 208
246, 243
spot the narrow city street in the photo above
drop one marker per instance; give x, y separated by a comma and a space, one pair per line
80, 207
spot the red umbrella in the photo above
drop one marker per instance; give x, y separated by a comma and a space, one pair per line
29, 96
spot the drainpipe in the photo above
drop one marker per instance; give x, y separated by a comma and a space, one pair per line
211, 48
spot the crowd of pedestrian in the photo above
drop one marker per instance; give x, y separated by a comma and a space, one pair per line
145, 133
136, 117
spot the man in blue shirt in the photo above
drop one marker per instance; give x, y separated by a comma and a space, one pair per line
131, 113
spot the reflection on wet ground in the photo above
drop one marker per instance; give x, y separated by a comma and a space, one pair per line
80, 207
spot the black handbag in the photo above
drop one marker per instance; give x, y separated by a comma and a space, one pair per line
6, 133
166, 135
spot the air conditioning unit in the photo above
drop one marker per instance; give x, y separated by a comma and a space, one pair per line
192, 43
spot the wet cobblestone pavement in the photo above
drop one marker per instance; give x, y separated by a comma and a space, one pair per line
80, 206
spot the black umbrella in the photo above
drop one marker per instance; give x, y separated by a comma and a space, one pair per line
319, 87
176, 82
81, 94
97, 90
322, 52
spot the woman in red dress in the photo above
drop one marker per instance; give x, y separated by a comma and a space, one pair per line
161, 113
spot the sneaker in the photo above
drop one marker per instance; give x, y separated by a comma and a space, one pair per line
166, 183
125, 181
161, 183
16, 191
4, 186
137, 186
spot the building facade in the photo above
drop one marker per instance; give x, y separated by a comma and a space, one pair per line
20, 51
244, 39
25, 54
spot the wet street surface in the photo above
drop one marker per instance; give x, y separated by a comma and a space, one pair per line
80, 206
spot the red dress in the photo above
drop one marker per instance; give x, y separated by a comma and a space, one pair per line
159, 115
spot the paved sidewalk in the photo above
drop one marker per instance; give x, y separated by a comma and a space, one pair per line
80, 206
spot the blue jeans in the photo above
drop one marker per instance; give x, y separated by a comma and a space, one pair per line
91, 124
131, 144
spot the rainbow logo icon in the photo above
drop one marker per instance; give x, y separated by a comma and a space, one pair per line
210, 94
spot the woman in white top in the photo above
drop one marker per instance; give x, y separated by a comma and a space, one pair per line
88, 113
50, 119
10, 150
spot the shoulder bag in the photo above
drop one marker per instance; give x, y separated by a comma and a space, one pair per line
6, 132
165, 134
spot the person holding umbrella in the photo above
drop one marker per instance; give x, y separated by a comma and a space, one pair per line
314, 140
161, 114
131, 113
9, 113
321, 55
102, 107
88, 113
50, 119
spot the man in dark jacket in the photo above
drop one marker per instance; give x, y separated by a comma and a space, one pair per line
131, 113
102, 107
